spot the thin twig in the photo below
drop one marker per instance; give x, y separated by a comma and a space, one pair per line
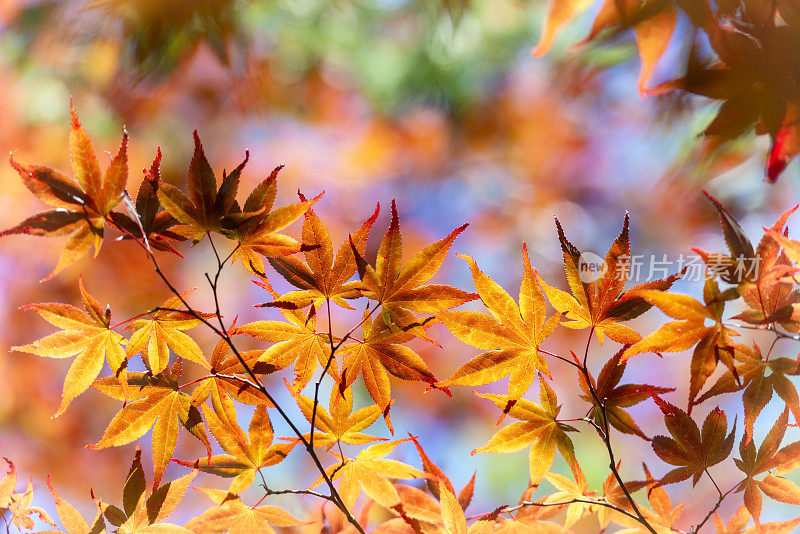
605, 435
781, 335
298, 492
318, 383
223, 334
599, 502
722, 496
334, 348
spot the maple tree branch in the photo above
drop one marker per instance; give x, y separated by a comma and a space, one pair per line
349, 334
334, 348
195, 381
297, 492
773, 329
223, 334
214, 248
238, 378
215, 284
599, 502
221, 262
606, 437
336, 498
721, 498
322, 375
165, 309
339, 467
595, 425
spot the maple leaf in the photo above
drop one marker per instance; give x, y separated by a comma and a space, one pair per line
747, 75
19, 504
72, 520
570, 490
399, 288
246, 453
227, 377
370, 471
163, 332
418, 511
601, 304
438, 476
560, 13
738, 522
662, 515
511, 336
340, 424
231, 515
712, 343
453, 519
791, 249
758, 274
295, 340
80, 204
143, 512
530, 519
334, 521
653, 27
206, 208
693, 451
258, 236
400, 525
770, 455
613, 493
85, 335
148, 219
751, 376
211, 209
155, 402
615, 398
7, 484
538, 427
323, 276
737, 267
771, 297
382, 352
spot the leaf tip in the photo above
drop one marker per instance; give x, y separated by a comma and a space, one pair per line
73, 112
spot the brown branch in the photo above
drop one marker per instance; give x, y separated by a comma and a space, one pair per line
334, 348
605, 435
223, 334
598, 502
721, 498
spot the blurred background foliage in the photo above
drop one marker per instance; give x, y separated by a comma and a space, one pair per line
437, 104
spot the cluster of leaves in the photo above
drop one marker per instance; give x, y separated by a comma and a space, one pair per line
400, 305
751, 67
